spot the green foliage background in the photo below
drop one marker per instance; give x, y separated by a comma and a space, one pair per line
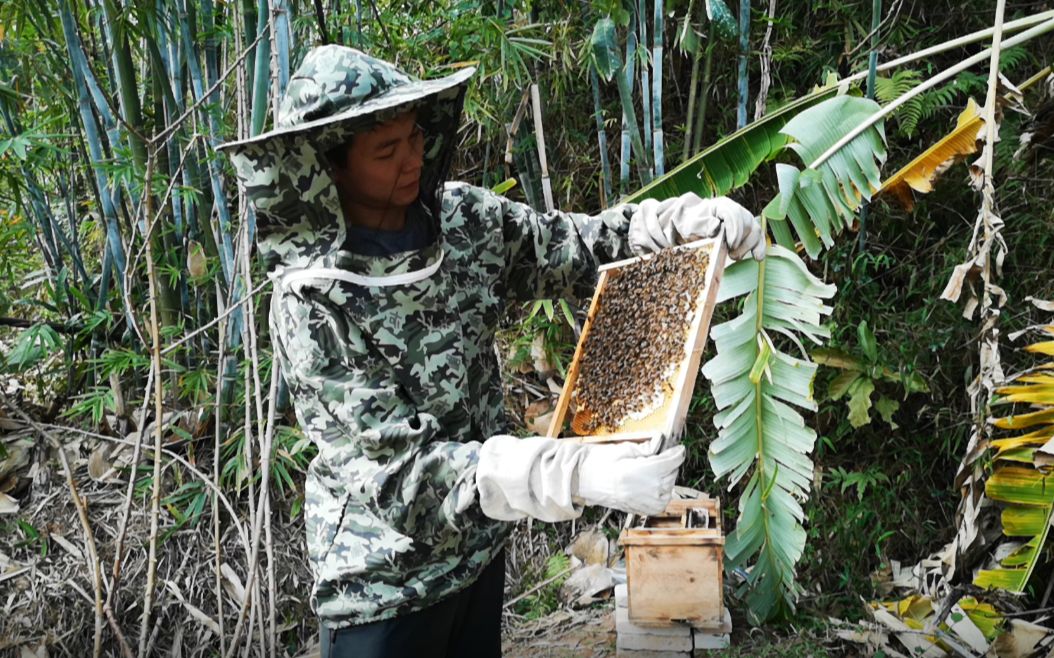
884, 488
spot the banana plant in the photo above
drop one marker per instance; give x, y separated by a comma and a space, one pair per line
860, 376
758, 381
821, 201
1022, 479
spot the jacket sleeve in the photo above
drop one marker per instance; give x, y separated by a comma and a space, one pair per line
556, 254
391, 462
379, 458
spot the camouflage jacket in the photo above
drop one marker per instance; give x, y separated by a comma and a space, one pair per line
399, 385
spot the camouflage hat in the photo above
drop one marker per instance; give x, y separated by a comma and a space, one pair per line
337, 84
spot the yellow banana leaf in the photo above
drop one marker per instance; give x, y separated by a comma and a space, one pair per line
920, 173
1019, 421
1046, 347
984, 615
1022, 479
916, 613
1021, 448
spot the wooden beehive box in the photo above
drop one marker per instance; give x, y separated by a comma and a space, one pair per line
674, 566
665, 416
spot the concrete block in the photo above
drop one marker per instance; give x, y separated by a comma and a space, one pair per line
655, 642
724, 628
621, 596
623, 626
629, 653
703, 641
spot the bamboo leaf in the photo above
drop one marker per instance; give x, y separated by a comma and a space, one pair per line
604, 47
724, 23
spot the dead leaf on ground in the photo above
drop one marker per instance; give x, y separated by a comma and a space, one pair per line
107, 459
1020, 639
8, 505
17, 455
591, 547
537, 416
586, 585
232, 584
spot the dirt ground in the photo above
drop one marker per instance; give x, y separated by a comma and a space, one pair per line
590, 633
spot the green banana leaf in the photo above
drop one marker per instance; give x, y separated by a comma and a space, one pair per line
758, 389
729, 163
821, 202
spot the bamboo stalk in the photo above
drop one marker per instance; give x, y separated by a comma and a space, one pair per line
627, 153
216, 449
742, 81
219, 197
127, 89
704, 92
97, 158
155, 359
693, 88
645, 85
278, 26
656, 104
765, 59
320, 18
265, 430
539, 134
872, 72
602, 142
626, 95
1042, 28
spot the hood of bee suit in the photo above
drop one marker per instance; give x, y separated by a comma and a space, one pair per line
336, 92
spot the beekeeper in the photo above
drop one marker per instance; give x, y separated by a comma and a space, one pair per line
390, 282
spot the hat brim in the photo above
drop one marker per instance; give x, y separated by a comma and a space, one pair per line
410, 92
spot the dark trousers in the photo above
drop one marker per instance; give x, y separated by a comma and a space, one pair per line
465, 625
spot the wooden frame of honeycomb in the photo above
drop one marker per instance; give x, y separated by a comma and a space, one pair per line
668, 399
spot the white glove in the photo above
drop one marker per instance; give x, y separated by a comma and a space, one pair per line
660, 224
550, 480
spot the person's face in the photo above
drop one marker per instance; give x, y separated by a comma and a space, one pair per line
382, 168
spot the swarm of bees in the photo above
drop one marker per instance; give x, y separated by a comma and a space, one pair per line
637, 335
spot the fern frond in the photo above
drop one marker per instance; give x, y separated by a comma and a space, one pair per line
888, 90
